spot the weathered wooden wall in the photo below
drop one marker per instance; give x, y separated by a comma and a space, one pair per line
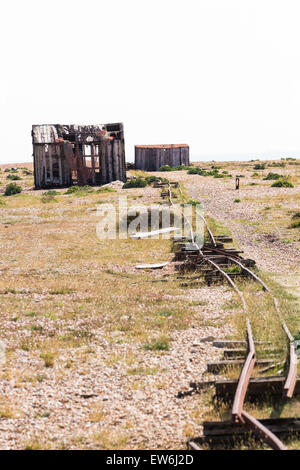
152, 157
65, 155
50, 166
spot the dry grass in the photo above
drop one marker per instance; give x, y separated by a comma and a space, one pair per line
64, 293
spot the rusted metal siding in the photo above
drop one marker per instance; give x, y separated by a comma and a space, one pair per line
152, 157
74, 154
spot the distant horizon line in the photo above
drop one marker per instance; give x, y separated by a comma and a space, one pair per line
210, 158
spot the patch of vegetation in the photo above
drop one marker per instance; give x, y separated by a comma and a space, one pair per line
13, 177
35, 445
214, 172
106, 189
160, 344
233, 269
273, 176
295, 224
166, 313
12, 188
221, 175
174, 168
80, 190
165, 168
142, 371
151, 179
48, 358
193, 171
237, 200
259, 166
193, 202
49, 196
282, 184
61, 291
180, 168
135, 183
277, 164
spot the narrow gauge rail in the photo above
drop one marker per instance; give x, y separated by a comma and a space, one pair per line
239, 415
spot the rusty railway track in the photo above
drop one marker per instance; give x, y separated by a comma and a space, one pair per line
238, 414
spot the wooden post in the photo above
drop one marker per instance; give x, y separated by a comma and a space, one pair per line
44, 166
50, 162
59, 165
103, 167
115, 162
237, 182
93, 163
122, 159
109, 160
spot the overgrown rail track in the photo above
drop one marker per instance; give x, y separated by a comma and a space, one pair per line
211, 258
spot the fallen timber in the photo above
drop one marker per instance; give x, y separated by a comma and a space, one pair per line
259, 388
219, 366
227, 435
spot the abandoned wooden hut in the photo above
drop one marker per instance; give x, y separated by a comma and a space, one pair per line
152, 157
64, 155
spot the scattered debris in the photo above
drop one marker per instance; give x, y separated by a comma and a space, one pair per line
152, 265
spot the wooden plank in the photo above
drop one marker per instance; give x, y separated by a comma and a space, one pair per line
229, 353
219, 366
227, 435
59, 166
115, 152
103, 166
50, 162
275, 425
109, 161
272, 385
37, 165
122, 157
93, 163
228, 343
44, 167
34, 166
176, 157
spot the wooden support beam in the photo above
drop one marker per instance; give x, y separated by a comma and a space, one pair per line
272, 385
50, 162
59, 165
218, 366
93, 163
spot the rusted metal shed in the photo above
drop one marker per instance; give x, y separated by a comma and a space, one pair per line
152, 157
73, 154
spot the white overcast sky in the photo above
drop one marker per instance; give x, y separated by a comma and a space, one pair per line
220, 75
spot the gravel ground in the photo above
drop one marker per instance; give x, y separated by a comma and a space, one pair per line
108, 392
217, 197
57, 412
